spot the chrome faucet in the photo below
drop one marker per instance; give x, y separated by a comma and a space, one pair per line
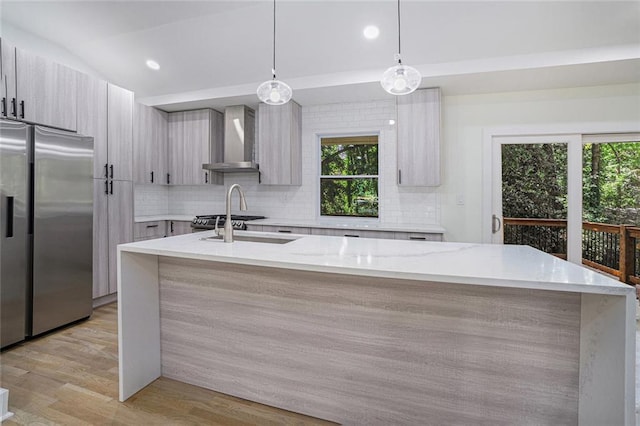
228, 227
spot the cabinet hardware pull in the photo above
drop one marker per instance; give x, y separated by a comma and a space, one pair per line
418, 238
151, 177
152, 226
496, 224
106, 170
284, 231
206, 177
399, 177
21, 109
9, 217
111, 187
106, 187
352, 235
4, 107
171, 226
14, 108
168, 178
111, 170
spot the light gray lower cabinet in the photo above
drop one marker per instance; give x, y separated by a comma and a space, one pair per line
112, 225
347, 232
46, 91
418, 127
149, 230
150, 145
280, 144
194, 139
178, 227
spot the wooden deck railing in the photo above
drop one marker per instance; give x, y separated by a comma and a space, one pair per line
614, 249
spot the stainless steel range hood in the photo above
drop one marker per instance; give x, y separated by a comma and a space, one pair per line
239, 140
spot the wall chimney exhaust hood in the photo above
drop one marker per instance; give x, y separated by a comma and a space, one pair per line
239, 139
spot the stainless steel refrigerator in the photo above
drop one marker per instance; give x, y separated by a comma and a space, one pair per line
46, 239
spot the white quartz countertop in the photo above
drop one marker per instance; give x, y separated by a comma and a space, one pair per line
461, 263
363, 225
154, 218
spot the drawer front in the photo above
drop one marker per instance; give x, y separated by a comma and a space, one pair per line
147, 230
286, 229
354, 233
254, 228
417, 236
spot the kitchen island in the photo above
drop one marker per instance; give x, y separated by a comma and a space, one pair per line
367, 331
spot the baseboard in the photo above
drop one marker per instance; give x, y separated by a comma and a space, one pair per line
4, 405
104, 300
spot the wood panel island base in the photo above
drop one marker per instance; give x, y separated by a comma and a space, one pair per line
329, 327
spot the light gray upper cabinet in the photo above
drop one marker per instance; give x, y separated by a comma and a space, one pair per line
9, 105
92, 119
120, 132
280, 144
46, 91
150, 145
418, 127
194, 139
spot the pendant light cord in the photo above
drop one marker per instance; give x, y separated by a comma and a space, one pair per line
274, 40
399, 52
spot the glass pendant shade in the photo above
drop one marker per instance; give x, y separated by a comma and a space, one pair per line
274, 92
401, 80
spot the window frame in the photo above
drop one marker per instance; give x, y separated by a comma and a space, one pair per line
320, 176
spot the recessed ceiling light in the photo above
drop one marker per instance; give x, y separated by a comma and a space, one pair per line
153, 64
392, 122
371, 32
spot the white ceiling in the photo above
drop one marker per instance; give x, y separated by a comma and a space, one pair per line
216, 52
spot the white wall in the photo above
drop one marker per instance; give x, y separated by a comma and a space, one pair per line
414, 206
32, 43
466, 117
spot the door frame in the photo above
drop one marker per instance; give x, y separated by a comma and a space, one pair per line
573, 135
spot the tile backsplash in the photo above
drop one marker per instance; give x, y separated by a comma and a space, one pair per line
398, 205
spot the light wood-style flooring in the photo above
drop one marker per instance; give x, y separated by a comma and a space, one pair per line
70, 377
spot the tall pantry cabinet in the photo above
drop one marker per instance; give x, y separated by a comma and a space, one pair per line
105, 111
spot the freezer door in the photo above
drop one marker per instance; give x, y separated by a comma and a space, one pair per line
13, 231
63, 228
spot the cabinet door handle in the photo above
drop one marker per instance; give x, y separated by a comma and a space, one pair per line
106, 170
399, 177
14, 108
352, 235
284, 231
168, 178
111, 171
111, 187
106, 187
172, 226
21, 109
9, 217
418, 238
151, 177
152, 226
4, 107
206, 177
496, 224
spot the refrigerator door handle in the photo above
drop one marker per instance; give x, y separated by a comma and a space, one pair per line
9, 216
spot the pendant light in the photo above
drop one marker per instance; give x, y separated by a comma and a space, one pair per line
274, 92
400, 79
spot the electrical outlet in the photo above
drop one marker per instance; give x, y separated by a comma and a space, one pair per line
460, 200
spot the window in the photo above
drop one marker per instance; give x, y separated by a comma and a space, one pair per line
349, 176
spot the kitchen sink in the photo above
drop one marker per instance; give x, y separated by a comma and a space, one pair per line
252, 239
